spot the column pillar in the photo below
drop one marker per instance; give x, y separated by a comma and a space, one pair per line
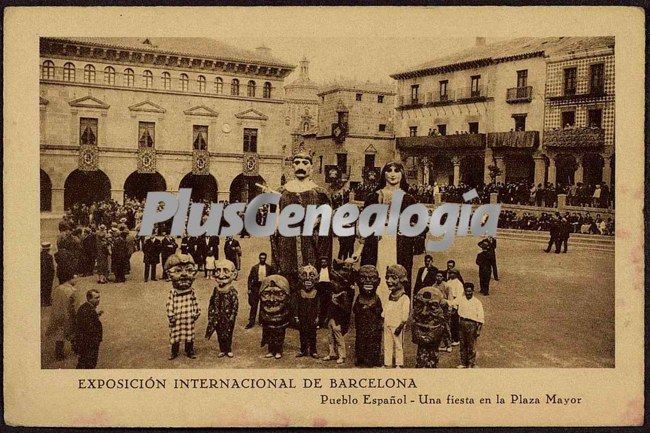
551, 171
540, 169
494, 198
118, 195
607, 170
57, 200
489, 153
500, 163
579, 174
456, 161
561, 202
437, 198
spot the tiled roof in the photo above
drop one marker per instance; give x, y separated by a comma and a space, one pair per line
515, 47
302, 82
199, 47
351, 85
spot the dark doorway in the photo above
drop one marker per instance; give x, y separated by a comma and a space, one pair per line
46, 192
86, 187
204, 186
137, 185
243, 188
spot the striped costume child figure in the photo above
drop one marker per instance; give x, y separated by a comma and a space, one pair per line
182, 308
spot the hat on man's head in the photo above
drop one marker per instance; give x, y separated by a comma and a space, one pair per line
303, 152
123, 220
46, 245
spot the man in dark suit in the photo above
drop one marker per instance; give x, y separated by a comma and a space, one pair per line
88, 331
258, 272
47, 274
151, 250
120, 256
426, 275
213, 247
167, 248
554, 231
563, 235
451, 264
484, 262
232, 251
492, 243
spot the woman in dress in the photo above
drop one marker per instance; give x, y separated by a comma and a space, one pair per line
383, 251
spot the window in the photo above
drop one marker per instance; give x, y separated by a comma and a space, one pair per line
522, 78
89, 74
185, 83
47, 71
68, 72
413, 131
146, 134
342, 162
109, 75
129, 77
267, 90
218, 85
380, 99
568, 119
250, 89
414, 93
88, 131
596, 118
359, 95
382, 127
473, 127
234, 87
442, 129
443, 90
166, 80
250, 140
520, 122
369, 160
147, 76
200, 137
597, 79
570, 81
476, 86
201, 81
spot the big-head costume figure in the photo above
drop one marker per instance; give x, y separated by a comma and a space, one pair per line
368, 319
308, 311
290, 253
223, 306
182, 307
274, 313
429, 325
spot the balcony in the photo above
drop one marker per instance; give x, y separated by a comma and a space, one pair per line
456, 141
570, 96
513, 139
437, 99
406, 103
574, 138
517, 95
469, 94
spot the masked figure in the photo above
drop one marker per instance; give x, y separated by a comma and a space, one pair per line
339, 309
223, 306
290, 253
368, 320
396, 314
430, 320
308, 311
274, 313
182, 308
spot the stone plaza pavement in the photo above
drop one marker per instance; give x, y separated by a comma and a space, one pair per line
547, 310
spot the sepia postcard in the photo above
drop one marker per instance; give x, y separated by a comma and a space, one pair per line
323, 216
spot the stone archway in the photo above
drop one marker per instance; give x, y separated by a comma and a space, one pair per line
137, 185
204, 186
86, 187
243, 188
471, 170
519, 167
46, 192
566, 166
441, 170
592, 164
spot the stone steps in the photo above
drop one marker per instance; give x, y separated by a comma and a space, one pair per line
579, 240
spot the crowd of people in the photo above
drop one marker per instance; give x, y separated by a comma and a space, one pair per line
578, 222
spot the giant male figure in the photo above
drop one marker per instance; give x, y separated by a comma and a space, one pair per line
291, 253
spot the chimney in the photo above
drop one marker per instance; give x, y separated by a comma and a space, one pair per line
263, 50
480, 42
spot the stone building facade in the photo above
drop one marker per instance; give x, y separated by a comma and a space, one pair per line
355, 129
123, 116
462, 116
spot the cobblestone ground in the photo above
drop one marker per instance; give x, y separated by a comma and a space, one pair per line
547, 310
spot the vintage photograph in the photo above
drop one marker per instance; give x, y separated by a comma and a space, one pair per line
525, 122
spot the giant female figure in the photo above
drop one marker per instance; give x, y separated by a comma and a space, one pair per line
383, 251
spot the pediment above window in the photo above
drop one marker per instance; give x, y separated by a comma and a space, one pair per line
147, 107
201, 110
89, 102
371, 149
251, 114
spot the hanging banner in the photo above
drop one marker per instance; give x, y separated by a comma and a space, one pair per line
251, 164
146, 160
200, 162
333, 174
88, 158
371, 175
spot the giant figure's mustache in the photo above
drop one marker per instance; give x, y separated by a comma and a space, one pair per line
301, 171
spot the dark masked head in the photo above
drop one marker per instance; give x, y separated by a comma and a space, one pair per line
274, 301
308, 278
428, 316
368, 279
